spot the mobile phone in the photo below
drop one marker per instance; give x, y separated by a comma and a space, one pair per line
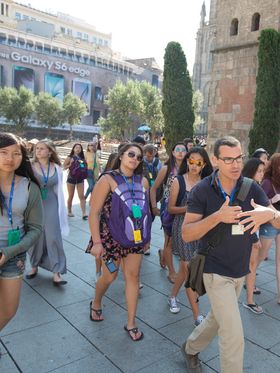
111, 266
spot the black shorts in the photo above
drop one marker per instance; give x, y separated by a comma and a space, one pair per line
70, 180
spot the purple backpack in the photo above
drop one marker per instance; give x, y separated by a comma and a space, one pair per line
121, 222
78, 168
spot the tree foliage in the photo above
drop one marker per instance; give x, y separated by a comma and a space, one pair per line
197, 105
177, 96
265, 131
130, 105
48, 111
17, 106
73, 109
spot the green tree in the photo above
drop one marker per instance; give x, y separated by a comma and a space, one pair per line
73, 109
151, 106
131, 104
17, 106
197, 105
48, 111
177, 96
265, 131
125, 104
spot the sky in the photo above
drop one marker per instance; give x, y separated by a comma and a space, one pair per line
140, 29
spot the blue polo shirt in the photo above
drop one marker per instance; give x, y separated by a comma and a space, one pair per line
230, 255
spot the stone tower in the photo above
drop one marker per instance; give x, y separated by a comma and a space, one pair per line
205, 41
238, 24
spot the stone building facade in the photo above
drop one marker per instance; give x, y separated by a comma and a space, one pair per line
232, 92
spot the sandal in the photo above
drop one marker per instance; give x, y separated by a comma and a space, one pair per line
97, 312
256, 290
161, 259
254, 308
133, 333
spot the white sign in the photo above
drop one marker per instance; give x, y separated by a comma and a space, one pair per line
56, 65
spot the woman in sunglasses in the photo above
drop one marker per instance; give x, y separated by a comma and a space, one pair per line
166, 177
117, 209
195, 166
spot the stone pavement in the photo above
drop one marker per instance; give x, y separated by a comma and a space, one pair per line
52, 331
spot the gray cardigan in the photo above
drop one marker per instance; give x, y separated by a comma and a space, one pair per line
33, 224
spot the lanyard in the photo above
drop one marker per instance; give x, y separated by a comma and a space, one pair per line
131, 191
150, 167
231, 197
10, 207
46, 177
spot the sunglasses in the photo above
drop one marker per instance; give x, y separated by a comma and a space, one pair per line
180, 150
198, 162
132, 154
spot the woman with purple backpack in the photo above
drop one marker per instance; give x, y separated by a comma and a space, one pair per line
120, 224
165, 177
77, 166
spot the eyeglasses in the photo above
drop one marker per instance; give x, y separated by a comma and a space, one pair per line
132, 154
180, 150
197, 162
229, 160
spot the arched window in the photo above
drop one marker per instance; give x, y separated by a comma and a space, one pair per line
255, 22
234, 27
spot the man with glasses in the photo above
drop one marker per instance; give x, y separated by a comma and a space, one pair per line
226, 226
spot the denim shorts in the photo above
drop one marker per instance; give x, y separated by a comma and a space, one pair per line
14, 267
268, 231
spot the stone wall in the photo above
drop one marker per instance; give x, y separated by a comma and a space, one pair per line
233, 78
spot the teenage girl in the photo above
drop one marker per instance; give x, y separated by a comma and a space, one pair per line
21, 220
48, 253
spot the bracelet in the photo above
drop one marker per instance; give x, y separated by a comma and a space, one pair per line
97, 243
276, 215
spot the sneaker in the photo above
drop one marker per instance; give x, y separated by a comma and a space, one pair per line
141, 286
173, 306
254, 308
147, 252
192, 361
199, 320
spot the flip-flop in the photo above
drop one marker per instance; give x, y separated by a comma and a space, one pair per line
98, 313
161, 259
134, 331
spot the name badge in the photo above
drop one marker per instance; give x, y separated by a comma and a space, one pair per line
152, 182
44, 193
137, 236
13, 237
136, 212
237, 229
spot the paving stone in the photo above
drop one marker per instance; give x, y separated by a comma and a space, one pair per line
96, 362
26, 317
49, 346
6, 363
262, 330
256, 360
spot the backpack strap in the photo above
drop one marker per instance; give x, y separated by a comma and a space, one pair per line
244, 189
182, 189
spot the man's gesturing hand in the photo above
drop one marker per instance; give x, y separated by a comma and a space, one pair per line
229, 214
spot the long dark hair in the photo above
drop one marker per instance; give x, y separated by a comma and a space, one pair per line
124, 148
171, 161
54, 156
111, 160
81, 154
24, 169
207, 169
251, 166
272, 171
